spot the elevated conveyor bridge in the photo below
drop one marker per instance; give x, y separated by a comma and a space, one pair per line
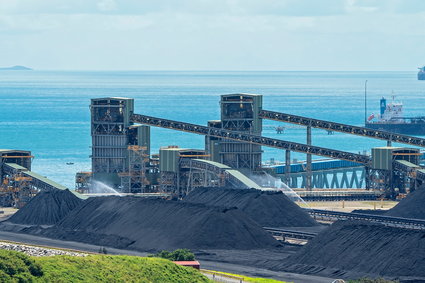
35, 181
254, 139
414, 172
342, 128
225, 173
331, 216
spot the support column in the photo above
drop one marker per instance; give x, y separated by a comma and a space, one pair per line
287, 167
308, 186
367, 178
388, 143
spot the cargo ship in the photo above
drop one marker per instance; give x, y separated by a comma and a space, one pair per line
391, 119
421, 74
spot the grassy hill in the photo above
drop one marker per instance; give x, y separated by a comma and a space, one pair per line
18, 267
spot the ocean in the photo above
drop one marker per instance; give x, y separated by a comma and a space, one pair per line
47, 112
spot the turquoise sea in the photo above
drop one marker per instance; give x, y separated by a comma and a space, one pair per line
47, 112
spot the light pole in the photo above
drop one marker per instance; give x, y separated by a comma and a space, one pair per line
365, 102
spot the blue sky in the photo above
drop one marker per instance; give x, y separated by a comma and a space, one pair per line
213, 34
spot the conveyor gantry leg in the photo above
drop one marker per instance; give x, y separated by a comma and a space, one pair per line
287, 167
308, 167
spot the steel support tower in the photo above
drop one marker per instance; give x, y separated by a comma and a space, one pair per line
135, 180
115, 162
109, 123
239, 112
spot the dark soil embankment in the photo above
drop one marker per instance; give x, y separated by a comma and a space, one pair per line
46, 208
365, 248
154, 224
410, 207
269, 209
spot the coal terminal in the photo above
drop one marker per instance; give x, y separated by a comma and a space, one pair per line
225, 225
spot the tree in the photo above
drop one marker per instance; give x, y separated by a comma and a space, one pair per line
177, 255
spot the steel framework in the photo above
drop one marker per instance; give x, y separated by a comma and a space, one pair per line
343, 128
109, 126
135, 180
352, 177
168, 182
239, 113
255, 139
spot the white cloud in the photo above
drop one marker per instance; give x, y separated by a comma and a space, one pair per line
206, 34
107, 5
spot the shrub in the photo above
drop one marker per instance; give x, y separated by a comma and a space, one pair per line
177, 255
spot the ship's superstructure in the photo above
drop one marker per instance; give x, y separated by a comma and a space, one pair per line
421, 73
391, 118
391, 112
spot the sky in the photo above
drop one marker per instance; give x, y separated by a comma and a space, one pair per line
286, 35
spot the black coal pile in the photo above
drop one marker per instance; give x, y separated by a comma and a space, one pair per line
46, 208
269, 209
410, 207
365, 248
154, 224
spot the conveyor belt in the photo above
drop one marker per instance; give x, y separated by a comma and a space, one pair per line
343, 128
291, 234
405, 166
386, 220
420, 175
242, 137
234, 176
412, 170
40, 182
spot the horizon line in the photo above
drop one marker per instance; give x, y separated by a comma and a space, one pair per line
203, 70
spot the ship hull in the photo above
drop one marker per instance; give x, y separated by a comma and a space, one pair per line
406, 128
421, 76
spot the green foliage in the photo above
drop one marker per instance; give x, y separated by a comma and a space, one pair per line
17, 267
103, 250
251, 279
107, 268
368, 280
177, 255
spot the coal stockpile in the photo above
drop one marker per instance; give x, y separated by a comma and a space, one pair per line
410, 207
364, 249
155, 224
46, 208
268, 208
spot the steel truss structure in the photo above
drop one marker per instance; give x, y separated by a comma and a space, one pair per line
109, 125
332, 216
168, 182
194, 174
239, 113
343, 128
406, 174
254, 139
135, 180
352, 177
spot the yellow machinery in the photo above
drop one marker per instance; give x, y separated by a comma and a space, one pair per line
16, 190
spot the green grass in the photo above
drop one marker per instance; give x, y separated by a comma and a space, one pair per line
368, 280
17, 267
251, 279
